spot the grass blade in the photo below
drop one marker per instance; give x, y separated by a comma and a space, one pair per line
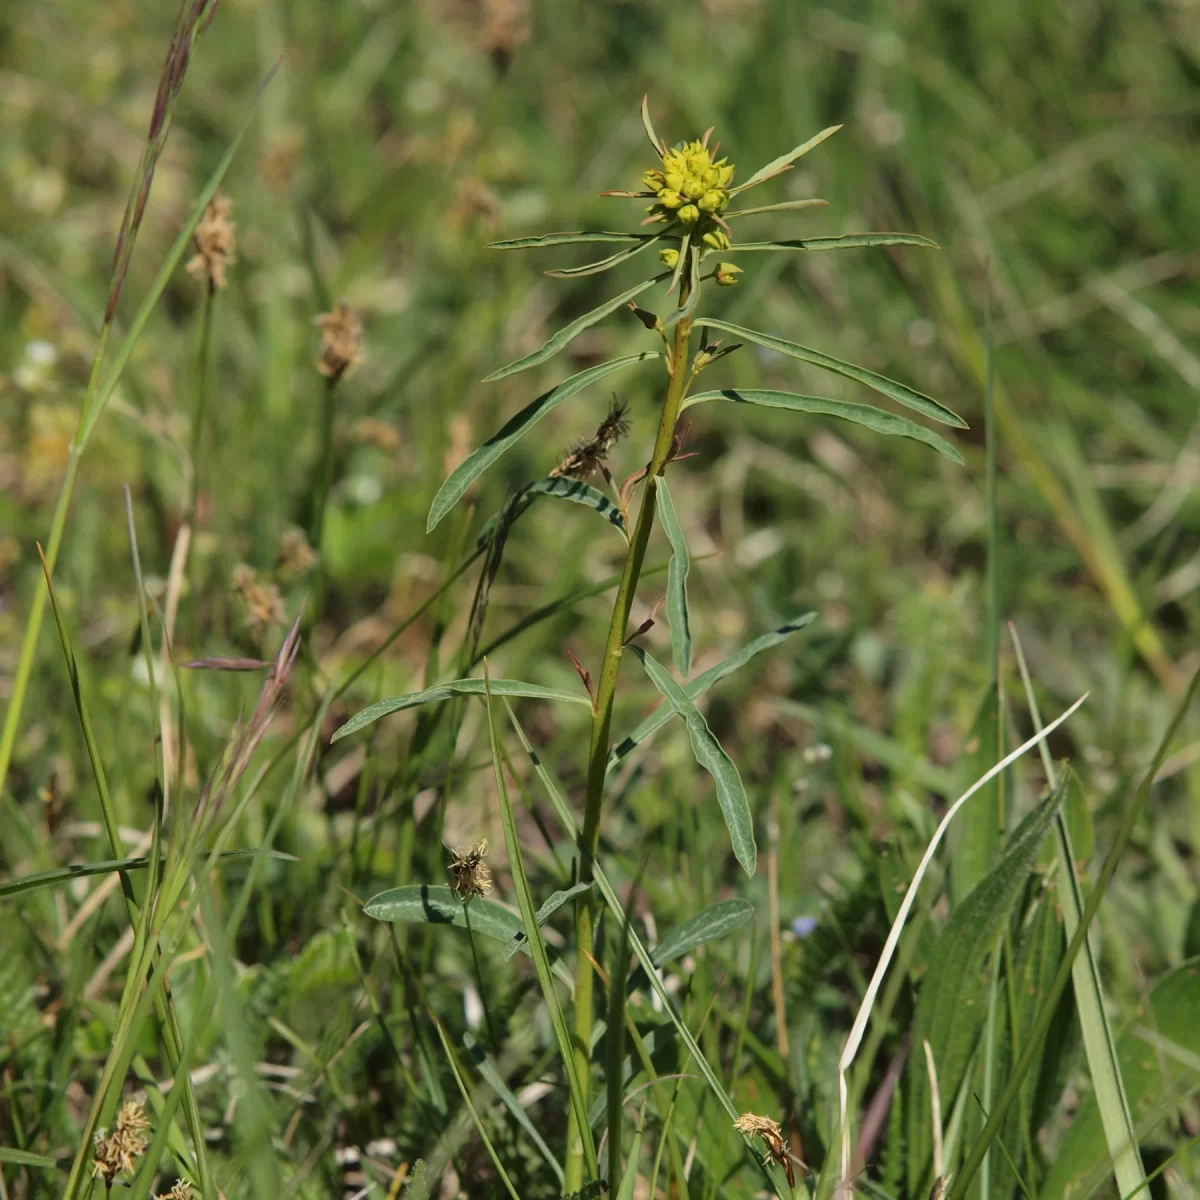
629, 1178
899, 392
543, 914
677, 573
697, 687
784, 162
860, 414
614, 1067
516, 428
456, 687
569, 332
537, 946
731, 795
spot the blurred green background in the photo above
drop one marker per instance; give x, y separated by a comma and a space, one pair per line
1049, 149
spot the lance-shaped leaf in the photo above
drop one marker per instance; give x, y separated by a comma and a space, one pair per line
899, 392
731, 795
438, 905
543, 914
456, 687
861, 414
606, 264
570, 239
698, 686
716, 921
563, 488
657, 142
784, 162
782, 206
843, 241
677, 573
514, 429
568, 333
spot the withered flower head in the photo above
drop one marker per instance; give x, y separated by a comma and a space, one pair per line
341, 341
117, 1152
214, 242
264, 603
751, 1125
181, 1191
591, 453
295, 554
468, 874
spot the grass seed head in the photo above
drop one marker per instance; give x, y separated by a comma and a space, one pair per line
752, 1125
468, 874
215, 243
117, 1153
181, 1191
341, 341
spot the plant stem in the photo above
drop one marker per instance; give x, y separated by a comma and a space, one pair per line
325, 479
601, 728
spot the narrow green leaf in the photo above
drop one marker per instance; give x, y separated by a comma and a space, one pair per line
561, 487
977, 841
844, 241
569, 239
777, 166
860, 414
951, 1006
614, 1071
782, 206
432, 904
543, 914
514, 429
899, 392
568, 333
731, 795
1159, 1058
708, 925
23, 1158
658, 144
606, 264
537, 947
456, 687
698, 686
629, 1178
677, 573
61, 875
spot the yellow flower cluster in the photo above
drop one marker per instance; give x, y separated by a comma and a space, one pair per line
690, 184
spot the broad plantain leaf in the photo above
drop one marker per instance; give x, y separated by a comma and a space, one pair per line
514, 429
899, 392
568, 333
698, 686
860, 414
731, 795
455, 687
777, 166
677, 573
953, 999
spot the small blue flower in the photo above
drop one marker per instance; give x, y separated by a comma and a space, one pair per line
803, 926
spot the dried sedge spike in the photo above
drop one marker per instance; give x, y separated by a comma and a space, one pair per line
751, 1125
181, 1191
215, 243
264, 602
296, 556
468, 874
341, 341
591, 454
117, 1152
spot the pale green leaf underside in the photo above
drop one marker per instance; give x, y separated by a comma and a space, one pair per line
784, 162
606, 264
568, 333
696, 688
860, 414
456, 687
514, 429
782, 206
570, 239
438, 905
716, 921
547, 910
677, 573
731, 795
844, 241
899, 392
562, 488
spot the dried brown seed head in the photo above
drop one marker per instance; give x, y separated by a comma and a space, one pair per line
341, 341
468, 874
215, 243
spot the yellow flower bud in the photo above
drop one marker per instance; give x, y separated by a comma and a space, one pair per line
712, 201
669, 199
669, 258
689, 214
653, 180
727, 274
693, 188
724, 175
717, 239
673, 180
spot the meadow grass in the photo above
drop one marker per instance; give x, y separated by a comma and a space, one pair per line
712, 858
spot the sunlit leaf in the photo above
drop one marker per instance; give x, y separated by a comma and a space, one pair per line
543, 914
784, 162
782, 206
860, 414
677, 573
606, 264
570, 239
563, 488
899, 392
435, 904
716, 921
845, 241
655, 140
514, 429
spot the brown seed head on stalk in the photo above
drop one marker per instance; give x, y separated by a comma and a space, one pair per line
341, 341
751, 1125
591, 454
468, 874
215, 243
181, 1191
117, 1153
264, 603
